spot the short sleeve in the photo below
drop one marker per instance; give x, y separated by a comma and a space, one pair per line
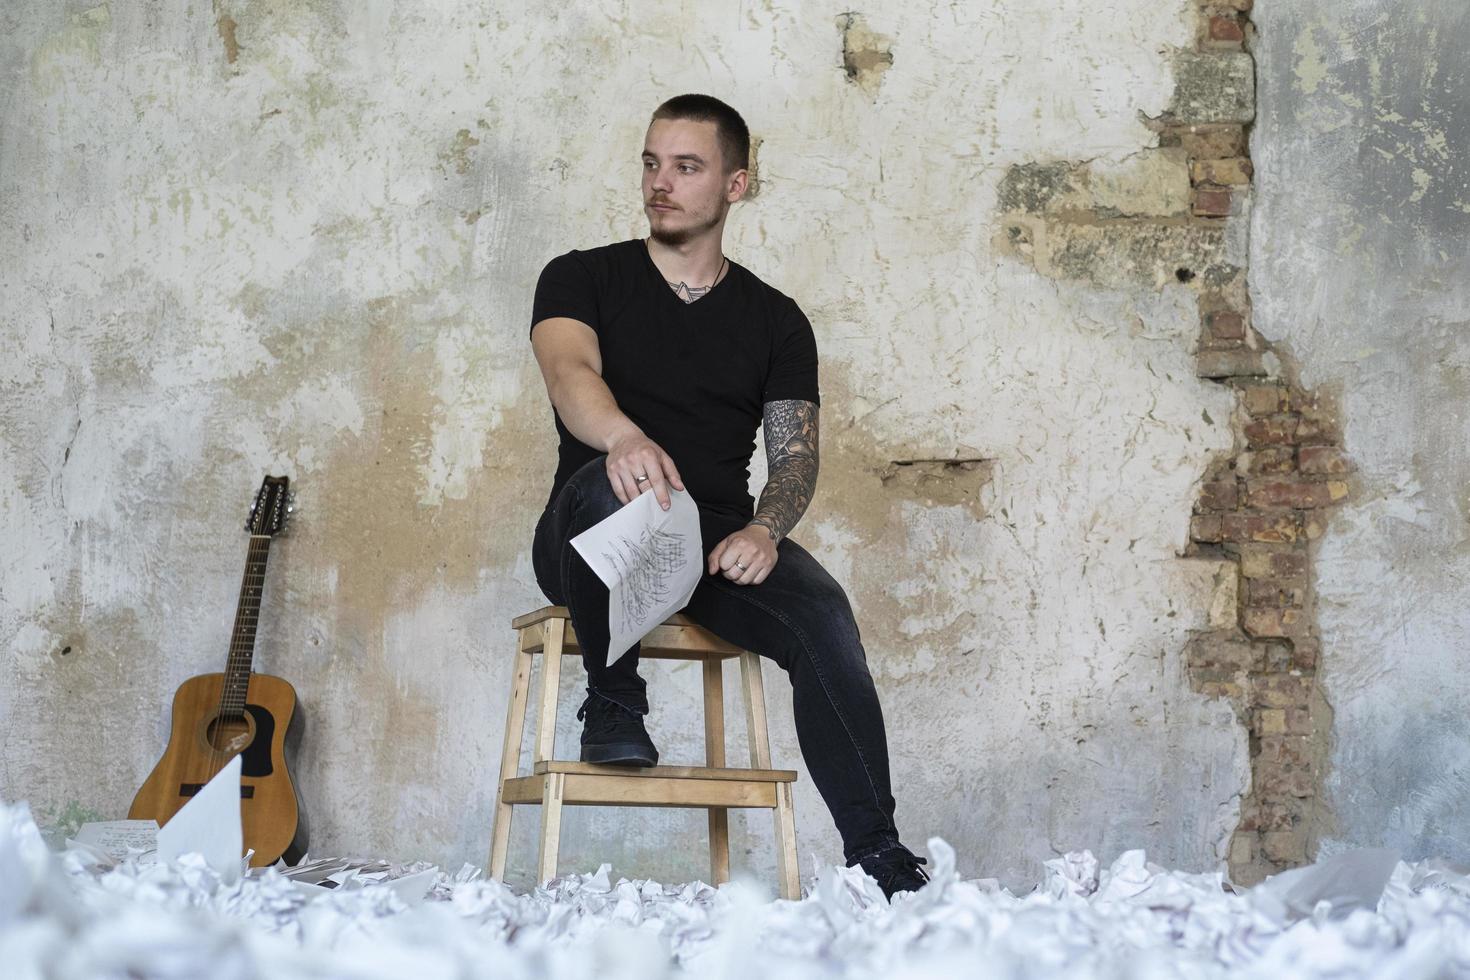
793, 373
566, 288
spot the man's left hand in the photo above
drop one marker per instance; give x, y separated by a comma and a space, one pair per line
750, 547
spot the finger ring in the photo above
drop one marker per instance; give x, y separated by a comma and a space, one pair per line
642, 479
740, 566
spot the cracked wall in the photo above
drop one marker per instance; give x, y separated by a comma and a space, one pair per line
302, 238
1360, 269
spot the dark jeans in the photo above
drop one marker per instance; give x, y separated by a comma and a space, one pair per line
799, 617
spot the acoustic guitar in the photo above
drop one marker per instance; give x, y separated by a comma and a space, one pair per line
219, 716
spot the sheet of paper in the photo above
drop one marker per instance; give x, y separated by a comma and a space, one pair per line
209, 824
649, 558
114, 837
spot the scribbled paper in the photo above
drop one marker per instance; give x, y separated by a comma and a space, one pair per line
649, 558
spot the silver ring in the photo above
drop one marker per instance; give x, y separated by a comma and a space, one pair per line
642, 479
740, 566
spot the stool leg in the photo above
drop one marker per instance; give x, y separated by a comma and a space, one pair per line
787, 866
550, 684
755, 711
714, 757
510, 754
552, 790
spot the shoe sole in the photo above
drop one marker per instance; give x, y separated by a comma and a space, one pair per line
620, 754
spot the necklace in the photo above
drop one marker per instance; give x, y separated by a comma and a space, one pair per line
690, 293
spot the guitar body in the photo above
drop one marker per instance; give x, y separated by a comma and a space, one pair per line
203, 739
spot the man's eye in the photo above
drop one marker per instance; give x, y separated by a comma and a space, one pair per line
686, 169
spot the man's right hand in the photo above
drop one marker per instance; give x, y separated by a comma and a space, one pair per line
634, 455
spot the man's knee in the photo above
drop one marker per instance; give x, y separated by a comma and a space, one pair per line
594, 492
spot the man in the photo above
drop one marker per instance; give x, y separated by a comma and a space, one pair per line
661, 356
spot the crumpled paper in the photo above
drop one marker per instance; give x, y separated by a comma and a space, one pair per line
68, 916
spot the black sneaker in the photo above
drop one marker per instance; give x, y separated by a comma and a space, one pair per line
895, 869
613, 735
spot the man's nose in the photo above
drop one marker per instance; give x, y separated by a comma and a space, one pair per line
661, 180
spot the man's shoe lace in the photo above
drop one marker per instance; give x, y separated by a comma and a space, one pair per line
896, 869
607, 718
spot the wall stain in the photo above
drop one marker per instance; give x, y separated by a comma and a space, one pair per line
865, 55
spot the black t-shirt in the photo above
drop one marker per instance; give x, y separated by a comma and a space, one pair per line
693, 376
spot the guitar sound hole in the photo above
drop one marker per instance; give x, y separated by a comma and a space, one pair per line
228, 734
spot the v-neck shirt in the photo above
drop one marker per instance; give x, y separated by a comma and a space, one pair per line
694, 377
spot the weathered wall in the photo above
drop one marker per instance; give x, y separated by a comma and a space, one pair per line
302, 237
1359, 267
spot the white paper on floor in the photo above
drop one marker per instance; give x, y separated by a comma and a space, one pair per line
62, 916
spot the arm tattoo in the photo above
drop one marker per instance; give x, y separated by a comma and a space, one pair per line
790, 428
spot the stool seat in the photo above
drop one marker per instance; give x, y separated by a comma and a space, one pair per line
555, 783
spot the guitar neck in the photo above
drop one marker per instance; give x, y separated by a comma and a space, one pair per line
242, 637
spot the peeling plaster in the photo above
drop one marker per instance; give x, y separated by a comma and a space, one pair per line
320, 262
1359, 267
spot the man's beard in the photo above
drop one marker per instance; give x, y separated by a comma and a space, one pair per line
682, 236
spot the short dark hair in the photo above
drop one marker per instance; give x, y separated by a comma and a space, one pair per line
730, 129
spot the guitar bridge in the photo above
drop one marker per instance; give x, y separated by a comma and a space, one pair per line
192, 789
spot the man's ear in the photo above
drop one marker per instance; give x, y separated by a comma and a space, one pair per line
736, 185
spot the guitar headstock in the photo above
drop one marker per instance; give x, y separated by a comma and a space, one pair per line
272, 506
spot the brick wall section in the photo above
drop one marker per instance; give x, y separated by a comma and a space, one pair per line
1262, 507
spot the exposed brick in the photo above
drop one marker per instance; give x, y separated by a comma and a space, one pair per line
1274, 783
1301, 494
1284, 846
1274, 592
1225, 324
1286, 750
1270, 721
1230, 364
1208, 142
1264, 815
1278, 459
1225, 650
1242, 848
1212, 201
1319, 431
1239, 528
1223, 31
1321, 423
1271, 430
1327, 460
1260, 561
1282, 690
1274, 622
1299, 721
1305, 653
1218, 495
1273, 656
1205, 527
1262, 399
1232, 171
1229, 689
1314, 525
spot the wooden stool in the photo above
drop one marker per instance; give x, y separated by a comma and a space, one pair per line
554, 784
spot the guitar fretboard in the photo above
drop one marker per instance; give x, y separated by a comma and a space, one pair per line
242, 638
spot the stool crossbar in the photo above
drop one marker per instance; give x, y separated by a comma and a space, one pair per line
554, 783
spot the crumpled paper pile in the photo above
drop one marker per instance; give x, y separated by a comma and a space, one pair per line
1361, 914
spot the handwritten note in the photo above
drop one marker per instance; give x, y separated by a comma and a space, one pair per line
115, 837
649, 558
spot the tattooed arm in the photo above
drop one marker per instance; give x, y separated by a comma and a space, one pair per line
790, 429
